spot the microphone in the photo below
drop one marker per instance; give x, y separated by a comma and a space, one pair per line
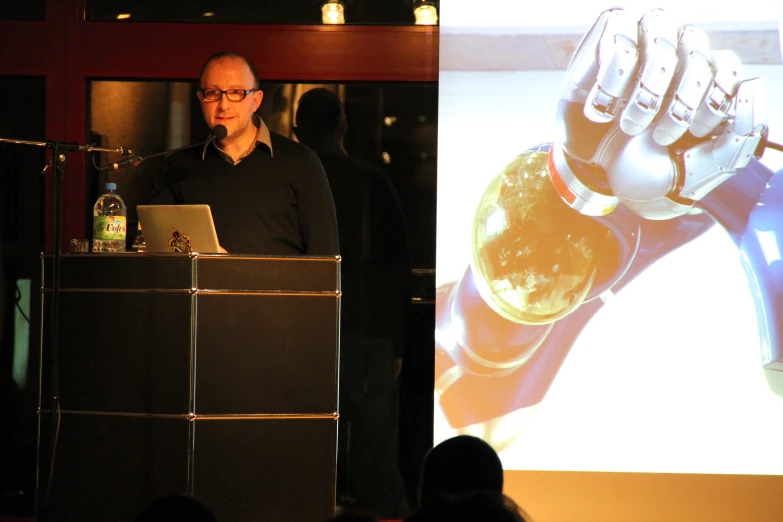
131, 161
217, 133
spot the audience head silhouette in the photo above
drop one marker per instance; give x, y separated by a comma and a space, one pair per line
176, 508
353, 517
320, 118
459, 465
480, 506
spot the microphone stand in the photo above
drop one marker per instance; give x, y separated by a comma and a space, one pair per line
216, 134
59, 158
135, 161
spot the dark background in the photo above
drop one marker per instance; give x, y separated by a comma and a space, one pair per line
55, 53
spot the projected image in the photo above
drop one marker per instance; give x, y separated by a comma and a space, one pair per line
610, 226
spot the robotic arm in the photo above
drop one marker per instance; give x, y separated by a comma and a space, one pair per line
661, 121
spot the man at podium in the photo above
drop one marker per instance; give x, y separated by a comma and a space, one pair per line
269, 195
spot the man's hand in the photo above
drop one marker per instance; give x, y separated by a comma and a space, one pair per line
651, 118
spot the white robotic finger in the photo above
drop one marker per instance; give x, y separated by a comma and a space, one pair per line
714, 110
710, 163
583, 67
657, 42
692, 78
617, 56
750, 109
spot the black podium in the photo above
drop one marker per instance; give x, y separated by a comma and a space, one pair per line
214, 375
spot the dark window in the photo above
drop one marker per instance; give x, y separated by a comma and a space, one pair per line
21, 200
24, 10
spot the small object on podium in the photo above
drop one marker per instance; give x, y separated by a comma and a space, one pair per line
80, 246
139, 245
109, 221
179, 242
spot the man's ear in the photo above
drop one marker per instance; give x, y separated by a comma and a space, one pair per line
258, 97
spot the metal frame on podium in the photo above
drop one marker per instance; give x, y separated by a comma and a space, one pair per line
210, 375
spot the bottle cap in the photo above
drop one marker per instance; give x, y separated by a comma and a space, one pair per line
111, 186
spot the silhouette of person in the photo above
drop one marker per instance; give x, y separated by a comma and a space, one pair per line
353, 517
477, 506
462, 480
176, 508
459, 465
376, 296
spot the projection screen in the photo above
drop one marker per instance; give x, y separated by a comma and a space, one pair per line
649, 400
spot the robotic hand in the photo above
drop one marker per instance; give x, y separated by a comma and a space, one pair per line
656, 143
663, 119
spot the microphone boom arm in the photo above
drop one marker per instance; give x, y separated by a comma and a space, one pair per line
217, 133
69, 147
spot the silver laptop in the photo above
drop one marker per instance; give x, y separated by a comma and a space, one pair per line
178, 228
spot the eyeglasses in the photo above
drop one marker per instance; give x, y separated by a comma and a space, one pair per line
232, 95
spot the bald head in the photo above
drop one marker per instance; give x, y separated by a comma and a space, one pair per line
231, 54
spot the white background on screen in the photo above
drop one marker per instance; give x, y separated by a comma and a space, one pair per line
515, 16
667, 377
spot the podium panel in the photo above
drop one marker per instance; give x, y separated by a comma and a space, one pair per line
134, 360
279, 468
110, 467
288, 361
214, 375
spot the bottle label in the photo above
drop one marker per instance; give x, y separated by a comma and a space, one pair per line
109, 228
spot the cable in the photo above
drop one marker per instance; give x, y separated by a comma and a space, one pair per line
51, 464
774, 146
97, 167
17, 299
765, 144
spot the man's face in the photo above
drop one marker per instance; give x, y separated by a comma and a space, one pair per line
230, 73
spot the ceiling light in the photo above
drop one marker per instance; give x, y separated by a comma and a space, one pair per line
425, 12
333, 12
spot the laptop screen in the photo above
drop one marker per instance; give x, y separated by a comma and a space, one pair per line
178, 228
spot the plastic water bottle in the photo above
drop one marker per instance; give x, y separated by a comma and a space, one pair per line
109, 222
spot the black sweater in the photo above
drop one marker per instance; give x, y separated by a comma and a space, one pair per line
267, 204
